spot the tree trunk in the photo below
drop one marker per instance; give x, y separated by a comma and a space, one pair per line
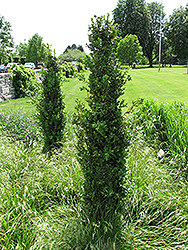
150, 62
149, 56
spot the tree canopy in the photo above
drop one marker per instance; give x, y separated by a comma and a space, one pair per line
6, 40
132, 18
136, 18
178, 32
72, 53
129, 49
34, 51
152, 43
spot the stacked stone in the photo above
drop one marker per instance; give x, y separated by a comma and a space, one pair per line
6, 88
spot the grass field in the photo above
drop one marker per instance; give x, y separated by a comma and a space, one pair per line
168, 85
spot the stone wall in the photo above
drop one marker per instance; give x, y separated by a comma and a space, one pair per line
6, 89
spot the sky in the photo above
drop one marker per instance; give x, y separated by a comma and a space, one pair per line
61, 22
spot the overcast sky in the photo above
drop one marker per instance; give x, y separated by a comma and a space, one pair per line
60, 22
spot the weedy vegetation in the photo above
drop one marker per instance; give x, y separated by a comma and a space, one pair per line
41, 201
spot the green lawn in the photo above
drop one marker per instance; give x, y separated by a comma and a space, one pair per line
168, 85
71, 90
15, 104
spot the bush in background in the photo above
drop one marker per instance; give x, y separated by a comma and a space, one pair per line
68, 69
80, 67
70, 55
23, 80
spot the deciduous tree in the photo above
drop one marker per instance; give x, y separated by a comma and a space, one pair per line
136, 18
129, 49
21, 49
6, 40
36, 50
152, 43
178, 32
132, 18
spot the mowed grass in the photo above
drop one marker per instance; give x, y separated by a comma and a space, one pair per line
15, 104
166, 85
71, 90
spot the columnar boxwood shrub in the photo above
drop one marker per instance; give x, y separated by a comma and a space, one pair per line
50, 106
102, 138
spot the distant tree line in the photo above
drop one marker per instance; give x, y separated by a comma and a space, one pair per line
143, 19
72, 53
134, 17
73, 47
6, 40
34, 51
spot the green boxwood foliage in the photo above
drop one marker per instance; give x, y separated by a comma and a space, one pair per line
50, 106
23, 80
102, 138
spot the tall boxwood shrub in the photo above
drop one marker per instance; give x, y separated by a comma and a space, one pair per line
50, 106
101, 135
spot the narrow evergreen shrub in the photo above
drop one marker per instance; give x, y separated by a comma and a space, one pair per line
50, 106
101, 135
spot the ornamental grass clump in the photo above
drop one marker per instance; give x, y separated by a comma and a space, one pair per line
165, 126
20, 126
102, 138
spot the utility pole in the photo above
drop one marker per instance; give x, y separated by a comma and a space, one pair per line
160, 35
